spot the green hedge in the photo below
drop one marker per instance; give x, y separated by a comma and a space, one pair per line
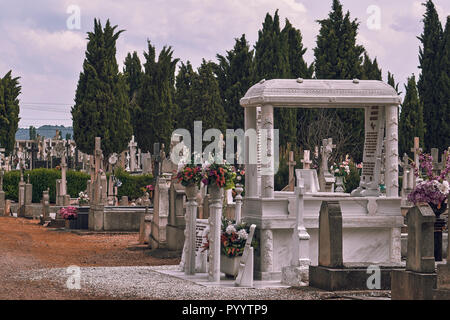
41, 179
132, 186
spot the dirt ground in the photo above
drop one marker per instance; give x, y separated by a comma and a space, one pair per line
25, 245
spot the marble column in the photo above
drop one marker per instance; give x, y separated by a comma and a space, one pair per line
251, 174
215, 223
391, 172
190, 230
267, 152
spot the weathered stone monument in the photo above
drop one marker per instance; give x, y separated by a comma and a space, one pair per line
332, 274
326, 179
158, 236
97, 204
419, 278
177, 223
62, 198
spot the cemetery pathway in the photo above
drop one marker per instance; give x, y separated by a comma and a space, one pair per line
26, 246
33, 262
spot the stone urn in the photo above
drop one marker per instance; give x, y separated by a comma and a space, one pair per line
339, 184
229, 265
215, 191
191, 191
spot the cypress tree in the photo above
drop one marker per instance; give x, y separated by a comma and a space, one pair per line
184, 97
272, 62
235, 76
370, 69
155, 122
337, 56
207, 103
443, 94
9, 111
429, 59
392, 83
411, 122
101, 102
132, 72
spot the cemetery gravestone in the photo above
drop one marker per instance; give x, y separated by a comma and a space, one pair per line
419, 279
245, 273
326, 179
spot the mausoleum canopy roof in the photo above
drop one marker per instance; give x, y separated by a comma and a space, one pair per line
303, 93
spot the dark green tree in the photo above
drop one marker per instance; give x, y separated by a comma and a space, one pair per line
32, 133
155, 121
392, 83
272, 61
411, 122
370, 71
132, 72
235, 76
9, 111
429, 58
207, 103
443, 94
101, 101
184, 97
337, 56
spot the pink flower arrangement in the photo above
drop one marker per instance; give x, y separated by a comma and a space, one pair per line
434, 189
69, 213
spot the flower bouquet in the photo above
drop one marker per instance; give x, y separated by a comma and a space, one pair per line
83, 198
221, 175
69, 213
233, 238
432, 189
190, 174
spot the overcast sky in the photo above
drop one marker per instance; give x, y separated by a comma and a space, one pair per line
37, 44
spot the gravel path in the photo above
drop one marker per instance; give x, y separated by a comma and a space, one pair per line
148, 283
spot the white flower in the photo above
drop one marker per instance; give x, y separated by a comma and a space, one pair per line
444, 187
337, 170
242, 234
230, 229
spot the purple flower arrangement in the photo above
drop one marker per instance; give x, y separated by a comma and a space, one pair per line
69, 213
434, 189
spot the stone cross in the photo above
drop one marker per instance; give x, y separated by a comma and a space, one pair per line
306, 159
416, 150
291, 164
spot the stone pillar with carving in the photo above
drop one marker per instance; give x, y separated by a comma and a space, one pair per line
215, 223
190, 230
391, 172
251, 174
267, 152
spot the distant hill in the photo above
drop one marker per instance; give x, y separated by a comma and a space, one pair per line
44, 131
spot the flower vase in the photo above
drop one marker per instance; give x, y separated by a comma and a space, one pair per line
229, 265
340, 184
191, 191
